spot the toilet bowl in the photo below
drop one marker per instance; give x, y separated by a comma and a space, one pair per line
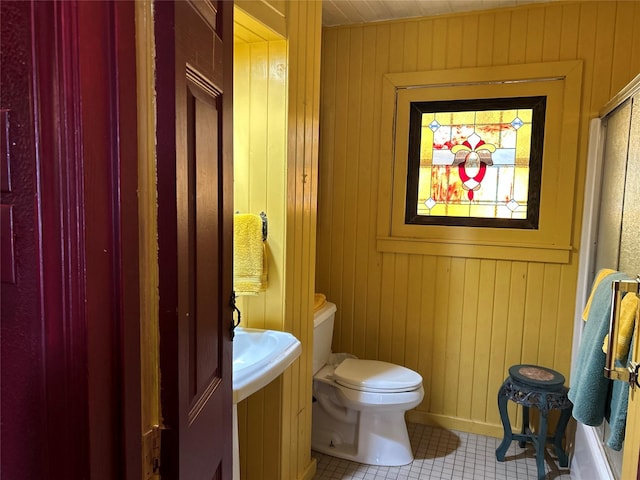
359, 405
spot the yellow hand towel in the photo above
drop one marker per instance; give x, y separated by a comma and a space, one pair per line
249, 255
318, 301
601, 274
627, 319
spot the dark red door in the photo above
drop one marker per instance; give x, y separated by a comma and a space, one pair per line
194, 67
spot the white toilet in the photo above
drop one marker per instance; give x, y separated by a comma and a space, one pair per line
359, 405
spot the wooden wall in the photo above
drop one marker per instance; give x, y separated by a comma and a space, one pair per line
259, 107
304, 34
276, 108
460, 322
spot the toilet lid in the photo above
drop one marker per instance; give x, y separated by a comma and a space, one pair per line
376, 376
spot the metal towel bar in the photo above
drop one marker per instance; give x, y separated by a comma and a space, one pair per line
630, 373
265, 225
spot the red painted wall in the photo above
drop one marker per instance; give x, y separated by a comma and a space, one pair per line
21, 375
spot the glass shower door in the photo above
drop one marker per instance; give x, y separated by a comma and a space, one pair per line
619, 216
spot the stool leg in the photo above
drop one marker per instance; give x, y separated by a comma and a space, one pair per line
563, 460
504, 417
540, 442
525, 425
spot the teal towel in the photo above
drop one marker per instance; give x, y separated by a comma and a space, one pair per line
589, 386
617, 412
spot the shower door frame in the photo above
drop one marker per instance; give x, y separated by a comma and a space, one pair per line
589, 451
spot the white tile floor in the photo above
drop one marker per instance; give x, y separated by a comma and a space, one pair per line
446, 455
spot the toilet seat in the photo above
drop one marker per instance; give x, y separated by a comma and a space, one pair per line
376, 376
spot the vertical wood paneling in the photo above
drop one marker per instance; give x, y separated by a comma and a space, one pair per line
482, 354
351, 195
453, 353
586, 49
414, 316
425, 40
272, 428
533, 314
258, 67
621, 67
364, 176
426, 325
635, 43
411, 46
260, 119
516, 301
501, 38
535, 35
602, 52
455, 39
396, 45
277, 123
374, 269
468, 334
469, 30
486, 33
569, 31
385, 326
438, 50
552, 34
500, 322
260, 86
340, 175
564, 327
304, 28
255, 436
325, 178
276, 198
461, 323
515, 323
550, 301
400, 304
441, 277
241, 108
518, 38
295, 227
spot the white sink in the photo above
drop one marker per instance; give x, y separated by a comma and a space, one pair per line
259, 356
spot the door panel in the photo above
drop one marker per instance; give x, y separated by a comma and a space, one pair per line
618, 221
612, 195
194, 232
204, 233
630, 263
629, 244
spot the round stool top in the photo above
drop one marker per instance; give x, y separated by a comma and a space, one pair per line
536, 376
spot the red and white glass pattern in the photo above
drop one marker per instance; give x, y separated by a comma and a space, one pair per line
475, 164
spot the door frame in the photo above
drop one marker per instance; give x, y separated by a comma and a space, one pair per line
85, 118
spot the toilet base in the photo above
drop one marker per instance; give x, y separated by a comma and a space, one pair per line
375, 438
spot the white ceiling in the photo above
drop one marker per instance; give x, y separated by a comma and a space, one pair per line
344, 12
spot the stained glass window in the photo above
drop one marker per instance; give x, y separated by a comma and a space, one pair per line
476, 162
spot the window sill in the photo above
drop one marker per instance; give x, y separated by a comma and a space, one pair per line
464, 249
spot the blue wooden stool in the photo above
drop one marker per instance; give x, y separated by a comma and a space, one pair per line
543, 388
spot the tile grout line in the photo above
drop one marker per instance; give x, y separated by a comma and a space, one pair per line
443, 455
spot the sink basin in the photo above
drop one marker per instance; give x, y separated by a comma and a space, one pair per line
259, 356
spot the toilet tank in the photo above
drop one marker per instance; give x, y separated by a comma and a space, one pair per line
322, 334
